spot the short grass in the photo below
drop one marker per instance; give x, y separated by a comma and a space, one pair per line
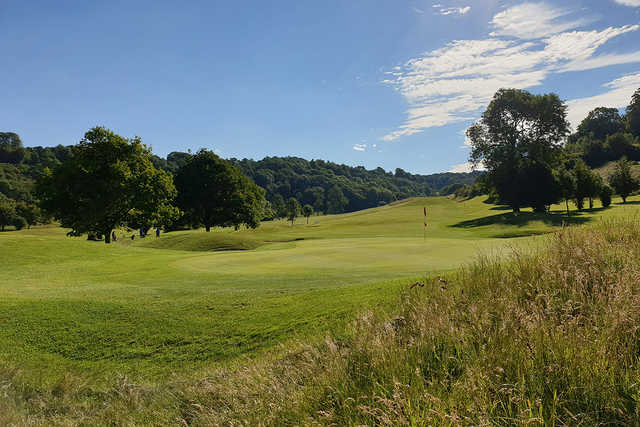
152, 308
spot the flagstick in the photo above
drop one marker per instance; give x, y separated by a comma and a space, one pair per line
424, 229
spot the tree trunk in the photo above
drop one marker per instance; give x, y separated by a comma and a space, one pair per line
516, 209
107, 236
566, 201
624, 199
208, 228
590, 203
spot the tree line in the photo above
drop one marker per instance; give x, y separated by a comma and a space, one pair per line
316, 186
532, 160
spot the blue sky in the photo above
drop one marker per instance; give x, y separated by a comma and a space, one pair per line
385, 83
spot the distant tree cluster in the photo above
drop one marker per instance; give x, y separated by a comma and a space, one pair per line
520, 139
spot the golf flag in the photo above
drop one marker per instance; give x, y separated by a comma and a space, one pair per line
425, 216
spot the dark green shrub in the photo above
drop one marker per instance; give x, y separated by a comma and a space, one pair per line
605, 196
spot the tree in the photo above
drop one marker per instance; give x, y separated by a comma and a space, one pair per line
633, 114
519, 133
212, 192
279, 206
567, 183
106, 178
336, 201
11, 149
30, 213
622, 180
605, 196
7, 212
307, 211
293, 209
619, 145
600, 123
588, 184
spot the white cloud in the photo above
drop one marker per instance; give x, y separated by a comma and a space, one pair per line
533, 21
467, 167
456, 82
462, 167
452, 10
360, 147
632, 3
618, 95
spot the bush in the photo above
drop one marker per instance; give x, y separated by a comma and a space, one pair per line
605, 196
19, 223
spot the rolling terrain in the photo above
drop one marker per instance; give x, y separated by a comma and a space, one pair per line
154, 308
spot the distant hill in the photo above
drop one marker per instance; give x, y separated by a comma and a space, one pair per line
328, 186
316, 182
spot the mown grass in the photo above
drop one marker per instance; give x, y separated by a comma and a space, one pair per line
131, 334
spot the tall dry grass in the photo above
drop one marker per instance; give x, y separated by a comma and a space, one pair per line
547, 336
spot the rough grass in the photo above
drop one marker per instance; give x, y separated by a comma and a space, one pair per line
546, 336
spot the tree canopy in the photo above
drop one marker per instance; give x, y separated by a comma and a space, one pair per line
212, 192
519, 140
622, 180
106, 177
600, 123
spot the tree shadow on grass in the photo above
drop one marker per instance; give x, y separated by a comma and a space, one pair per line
629, 203
524, 218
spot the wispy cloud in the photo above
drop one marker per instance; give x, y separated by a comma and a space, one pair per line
360, 147
632, 3
454, 83
452, 10
618, 95
533, 21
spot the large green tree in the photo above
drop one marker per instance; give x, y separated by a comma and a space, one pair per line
519, 134
622, 181
600, 123
212, 192
106, 177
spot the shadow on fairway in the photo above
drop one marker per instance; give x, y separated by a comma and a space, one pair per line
524, 218
634, 202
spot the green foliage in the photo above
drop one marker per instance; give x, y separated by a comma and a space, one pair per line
600, 123
588, 184
7, 212
633, 114
11, 149
567, 185
622, 180
106, 178
307, 211
518, 139
279, 206
29, 212
336, 200
212, 192
293, 209
18, 222
310, 182
606, 193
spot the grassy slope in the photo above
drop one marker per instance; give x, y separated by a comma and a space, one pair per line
68, 305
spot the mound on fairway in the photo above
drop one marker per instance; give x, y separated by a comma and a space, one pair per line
189, 241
